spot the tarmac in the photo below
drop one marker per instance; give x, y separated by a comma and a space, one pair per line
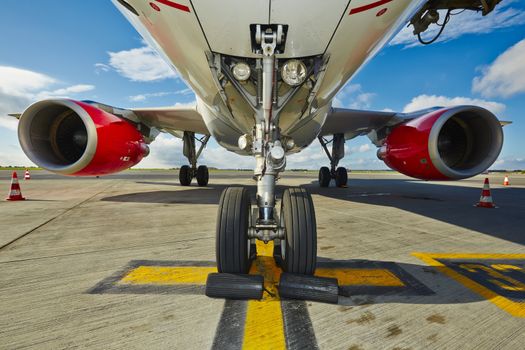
121, 262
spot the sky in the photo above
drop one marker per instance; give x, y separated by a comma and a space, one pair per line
87, 50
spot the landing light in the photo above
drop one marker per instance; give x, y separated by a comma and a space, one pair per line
293, 72
241, 71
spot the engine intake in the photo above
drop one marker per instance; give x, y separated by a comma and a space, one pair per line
74, 138
450, 143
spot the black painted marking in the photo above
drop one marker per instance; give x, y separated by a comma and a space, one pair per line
479, 271
298, 330
412, 286
230, 330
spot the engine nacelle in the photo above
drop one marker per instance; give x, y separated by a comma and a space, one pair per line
446, 144
74, 138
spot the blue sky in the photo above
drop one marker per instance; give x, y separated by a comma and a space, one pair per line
87, 50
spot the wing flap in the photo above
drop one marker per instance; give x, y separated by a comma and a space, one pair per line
353, 122
173, 118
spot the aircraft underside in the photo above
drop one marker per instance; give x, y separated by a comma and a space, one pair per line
264, 80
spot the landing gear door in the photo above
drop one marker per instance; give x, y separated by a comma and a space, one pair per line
226, 23
311, 24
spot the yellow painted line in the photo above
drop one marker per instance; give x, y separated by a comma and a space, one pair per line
264, 327
168, 275
514, 308
471, 256
369, 277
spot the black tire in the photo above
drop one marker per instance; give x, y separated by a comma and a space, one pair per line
300, 243
324, 177
185, 175
203, 175
233, 220
341, 177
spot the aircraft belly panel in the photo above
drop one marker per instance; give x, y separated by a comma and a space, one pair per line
226, 23
366, 27
311, 24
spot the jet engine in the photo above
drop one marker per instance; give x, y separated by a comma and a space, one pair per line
446, 144
75, 138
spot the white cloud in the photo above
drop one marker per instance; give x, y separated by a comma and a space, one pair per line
468, 22
144, 97
353, 96
22, 82
509, 163
505, 76
166, 152
14, 156
140, 64
313, 157
426, 101
138, 98
363, 148
64, 92
101, 67
21, 87
218, 157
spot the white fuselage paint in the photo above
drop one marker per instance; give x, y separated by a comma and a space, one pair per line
348, 32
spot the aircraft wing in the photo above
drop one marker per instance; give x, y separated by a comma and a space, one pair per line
354, 122
175, 118
172, 119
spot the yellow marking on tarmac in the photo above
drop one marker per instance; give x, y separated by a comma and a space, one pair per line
433, 256
499, 279
369, 277
264, 327
516, 309
168, 275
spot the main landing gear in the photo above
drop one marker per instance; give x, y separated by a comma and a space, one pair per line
188, 172
339, 174
293, 228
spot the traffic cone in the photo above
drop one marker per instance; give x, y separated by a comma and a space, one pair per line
506, 181
485, 201
15, 194
27, 176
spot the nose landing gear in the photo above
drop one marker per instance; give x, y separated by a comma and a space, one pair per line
294, 229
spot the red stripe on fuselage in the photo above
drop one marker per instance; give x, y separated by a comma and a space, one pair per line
174, 5
368, 7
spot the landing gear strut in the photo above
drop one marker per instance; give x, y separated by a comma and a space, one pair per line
294, 230
340, 174
188, 172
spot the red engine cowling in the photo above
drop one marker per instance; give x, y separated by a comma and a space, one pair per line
74, 138
446, 144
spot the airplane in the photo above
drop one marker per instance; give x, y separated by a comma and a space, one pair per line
265, 74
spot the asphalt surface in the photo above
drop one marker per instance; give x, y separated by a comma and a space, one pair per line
121, 261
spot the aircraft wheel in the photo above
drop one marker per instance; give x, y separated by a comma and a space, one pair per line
324, 177
299, 246
203, 175
185, 175
341, 177
232, 246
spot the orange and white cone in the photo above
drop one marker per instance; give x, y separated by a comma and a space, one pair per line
27, 176
15, 194
506, 181
485, 201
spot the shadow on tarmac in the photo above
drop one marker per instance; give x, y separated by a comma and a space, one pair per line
451, 204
